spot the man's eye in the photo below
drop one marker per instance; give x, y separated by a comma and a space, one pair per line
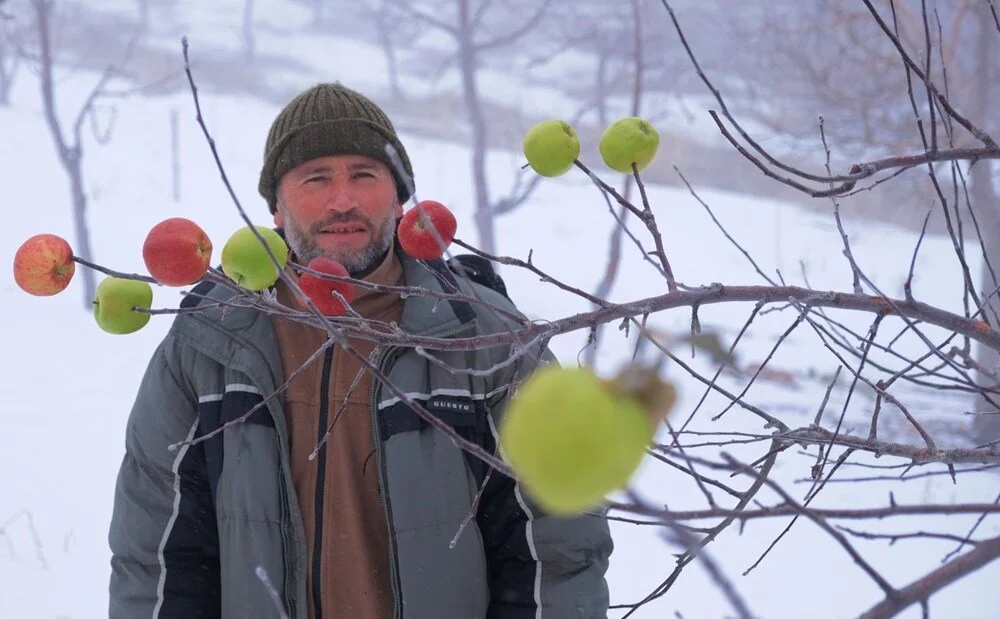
314, 179
363, 175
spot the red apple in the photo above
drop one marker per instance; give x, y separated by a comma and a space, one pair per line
43, 265
321, 290
177, 252
416, 234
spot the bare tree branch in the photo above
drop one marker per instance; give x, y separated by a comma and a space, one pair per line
509, 38
429, 19
923, 588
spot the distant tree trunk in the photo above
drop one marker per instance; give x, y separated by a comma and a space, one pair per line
74, 169
467, 61
987, 208
601, 89
388, 44
70, 155
249, 42
984, 200
144, 14
8, 71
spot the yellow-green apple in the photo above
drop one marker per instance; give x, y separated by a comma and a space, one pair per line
43, 265
416, 230
627, 141
246, 261
177, 252
320, 290
572, 437
116, 301
551, 147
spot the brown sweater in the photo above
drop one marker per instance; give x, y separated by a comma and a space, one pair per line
345, 524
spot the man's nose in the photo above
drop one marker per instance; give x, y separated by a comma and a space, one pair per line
341, 198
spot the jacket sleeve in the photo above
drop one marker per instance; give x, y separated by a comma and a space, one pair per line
163, 534
535, 559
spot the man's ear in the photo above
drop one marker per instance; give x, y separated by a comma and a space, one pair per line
279, 219
398, 211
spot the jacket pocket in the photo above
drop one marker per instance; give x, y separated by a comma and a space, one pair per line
468, 416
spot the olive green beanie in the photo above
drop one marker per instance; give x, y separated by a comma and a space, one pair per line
329, 119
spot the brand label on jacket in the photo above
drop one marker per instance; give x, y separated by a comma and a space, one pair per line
450, 403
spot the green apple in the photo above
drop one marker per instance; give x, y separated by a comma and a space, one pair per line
627, 141
551, 147
115, 301
571, 437
247, 263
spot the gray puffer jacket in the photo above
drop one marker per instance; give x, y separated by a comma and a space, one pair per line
198, 529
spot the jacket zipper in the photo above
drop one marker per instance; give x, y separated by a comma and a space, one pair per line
287, 543
317, 559
383, 492
382, 363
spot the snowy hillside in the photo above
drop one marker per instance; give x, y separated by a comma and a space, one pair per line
70, 386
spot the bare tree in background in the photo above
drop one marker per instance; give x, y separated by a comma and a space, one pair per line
319, 10
833, 60
393, 32
68, 144
143, 13
478, 29
9, 59
249, 40
606, 33
985, 200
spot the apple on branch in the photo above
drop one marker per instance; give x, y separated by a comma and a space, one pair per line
43, 265
551, 147
572, 437
627, 141
246, 261
320, 290
417, 230
177, 252
116, 301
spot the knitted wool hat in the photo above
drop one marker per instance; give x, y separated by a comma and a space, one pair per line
329, 119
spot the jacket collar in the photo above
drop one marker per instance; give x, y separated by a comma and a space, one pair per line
427, 315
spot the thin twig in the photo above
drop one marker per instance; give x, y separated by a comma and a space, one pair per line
650, 220
118, 274
908, 286
272, 592
856, 280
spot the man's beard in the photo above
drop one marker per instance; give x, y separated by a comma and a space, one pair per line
358, 262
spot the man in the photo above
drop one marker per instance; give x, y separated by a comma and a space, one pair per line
335, 499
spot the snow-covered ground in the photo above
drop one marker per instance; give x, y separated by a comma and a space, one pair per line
69, 386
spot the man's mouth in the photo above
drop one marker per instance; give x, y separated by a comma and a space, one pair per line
343, 229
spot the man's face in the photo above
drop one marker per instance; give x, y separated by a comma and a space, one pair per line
341, 206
